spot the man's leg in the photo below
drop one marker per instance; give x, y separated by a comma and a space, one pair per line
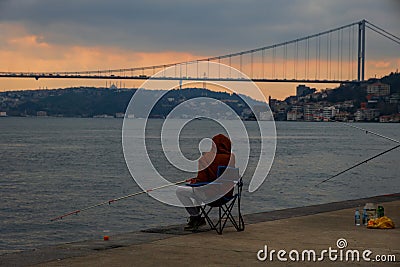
186, 197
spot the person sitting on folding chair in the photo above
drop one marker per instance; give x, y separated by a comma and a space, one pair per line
219, 155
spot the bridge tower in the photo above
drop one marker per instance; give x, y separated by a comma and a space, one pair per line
361, 51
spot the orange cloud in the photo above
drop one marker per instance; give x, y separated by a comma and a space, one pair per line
381, 64
21, 52
28, 41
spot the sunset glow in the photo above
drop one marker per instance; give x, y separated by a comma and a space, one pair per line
25, 50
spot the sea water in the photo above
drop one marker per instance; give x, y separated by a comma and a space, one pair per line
49, 166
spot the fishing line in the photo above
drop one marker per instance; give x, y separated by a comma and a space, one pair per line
364, 161
371, 132
75, 212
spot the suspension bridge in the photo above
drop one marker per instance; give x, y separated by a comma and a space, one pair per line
334, 56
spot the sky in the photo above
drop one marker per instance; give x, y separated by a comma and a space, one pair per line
53, 35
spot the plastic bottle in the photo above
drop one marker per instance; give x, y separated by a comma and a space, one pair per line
365, 217
380, 211
357, 218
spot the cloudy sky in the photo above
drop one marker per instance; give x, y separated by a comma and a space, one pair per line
53, 35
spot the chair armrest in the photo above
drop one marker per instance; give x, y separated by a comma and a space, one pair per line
201, 184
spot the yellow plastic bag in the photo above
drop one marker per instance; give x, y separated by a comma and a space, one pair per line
381, 223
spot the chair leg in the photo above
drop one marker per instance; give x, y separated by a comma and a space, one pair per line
219, 231
228, 214
224, 214
240, 217
209, 221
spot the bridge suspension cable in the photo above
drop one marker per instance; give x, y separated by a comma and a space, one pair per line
382, 32
328, 56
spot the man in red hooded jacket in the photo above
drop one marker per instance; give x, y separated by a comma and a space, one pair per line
219, 155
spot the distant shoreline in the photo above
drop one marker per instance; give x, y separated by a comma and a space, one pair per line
119, 118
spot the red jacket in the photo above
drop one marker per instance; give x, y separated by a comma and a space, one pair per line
208, 165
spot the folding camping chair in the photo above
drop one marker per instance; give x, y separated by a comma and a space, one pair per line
225, 204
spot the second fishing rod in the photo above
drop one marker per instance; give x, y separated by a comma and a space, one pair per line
368, 159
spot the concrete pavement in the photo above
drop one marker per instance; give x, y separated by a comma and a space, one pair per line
315, 228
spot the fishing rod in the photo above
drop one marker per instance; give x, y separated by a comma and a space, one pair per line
364, 161
75, 212
358, 164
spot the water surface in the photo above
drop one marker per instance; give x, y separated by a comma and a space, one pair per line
53, 165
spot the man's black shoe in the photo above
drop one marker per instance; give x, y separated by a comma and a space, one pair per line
194, 223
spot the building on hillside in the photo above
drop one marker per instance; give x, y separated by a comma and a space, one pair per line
342, 116
280, 109
390, 118
291, 115
386, 118
297, 108
309, 111
378, 89
394, 98
329, 113
41, 113
266, 116
369, 114
103, 116
295, 113
372, 114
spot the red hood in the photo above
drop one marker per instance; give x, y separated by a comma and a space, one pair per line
222, 143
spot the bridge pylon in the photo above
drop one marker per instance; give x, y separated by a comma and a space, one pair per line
361, 51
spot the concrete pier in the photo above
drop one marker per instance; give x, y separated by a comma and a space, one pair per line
315, 228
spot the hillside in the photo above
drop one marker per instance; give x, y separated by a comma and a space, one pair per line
89, 101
